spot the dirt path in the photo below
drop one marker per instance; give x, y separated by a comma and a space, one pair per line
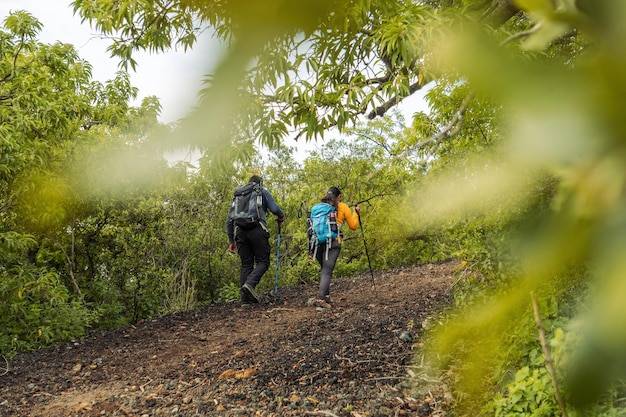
280, 358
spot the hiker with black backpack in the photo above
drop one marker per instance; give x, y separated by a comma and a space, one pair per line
326, 220
248, 235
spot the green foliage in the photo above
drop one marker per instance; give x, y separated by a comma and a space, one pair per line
228, 292
286, 44
568, 134
517, 171
36, 310
530, 390
55, 121
529, 394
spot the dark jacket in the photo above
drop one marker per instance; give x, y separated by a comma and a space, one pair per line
267, 204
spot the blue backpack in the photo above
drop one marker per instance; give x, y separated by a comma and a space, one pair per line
322, 226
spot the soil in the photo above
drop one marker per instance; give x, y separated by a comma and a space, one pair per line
281, 357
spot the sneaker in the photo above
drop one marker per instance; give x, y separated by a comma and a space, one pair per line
247, 287
322, 305
246, 305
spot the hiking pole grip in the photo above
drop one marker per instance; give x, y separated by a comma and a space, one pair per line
301, 209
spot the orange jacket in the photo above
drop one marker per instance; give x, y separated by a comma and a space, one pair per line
345, 214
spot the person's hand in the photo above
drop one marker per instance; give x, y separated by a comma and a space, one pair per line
357, 208
232, 248
281, 219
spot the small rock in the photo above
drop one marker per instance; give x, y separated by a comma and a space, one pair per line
407, 336
425, 410
229, 373
83, 406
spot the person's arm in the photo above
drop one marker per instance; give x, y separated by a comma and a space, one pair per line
344, 213
272, 206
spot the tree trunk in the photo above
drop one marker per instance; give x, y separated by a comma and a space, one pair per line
500, 11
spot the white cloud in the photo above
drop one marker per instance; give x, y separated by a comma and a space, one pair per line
174, 77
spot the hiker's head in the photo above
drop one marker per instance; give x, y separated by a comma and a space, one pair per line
257, 179
330, 198
335, 191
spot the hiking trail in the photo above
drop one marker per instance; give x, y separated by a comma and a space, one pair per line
279, 358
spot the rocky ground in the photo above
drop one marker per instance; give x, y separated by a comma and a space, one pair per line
278, 358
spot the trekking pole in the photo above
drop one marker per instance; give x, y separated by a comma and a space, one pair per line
277, 259
302, 207
358, 213
304, 210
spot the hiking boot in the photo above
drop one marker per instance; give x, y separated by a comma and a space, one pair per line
321, 305
247, 287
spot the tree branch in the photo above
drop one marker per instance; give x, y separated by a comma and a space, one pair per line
383, 108
548, 358
136, 38
500, 12
525, 33
379, 143
6, 370
88, 124
70, 266
451, 129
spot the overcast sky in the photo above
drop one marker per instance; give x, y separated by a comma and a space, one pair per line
174, 77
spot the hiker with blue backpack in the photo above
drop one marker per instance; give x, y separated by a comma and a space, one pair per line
248, 235
326, 220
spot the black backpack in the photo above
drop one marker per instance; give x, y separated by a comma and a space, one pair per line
247, 205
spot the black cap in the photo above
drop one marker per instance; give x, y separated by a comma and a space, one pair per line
256, 178
334, 191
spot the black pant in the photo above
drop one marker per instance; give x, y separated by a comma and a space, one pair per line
253, 247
